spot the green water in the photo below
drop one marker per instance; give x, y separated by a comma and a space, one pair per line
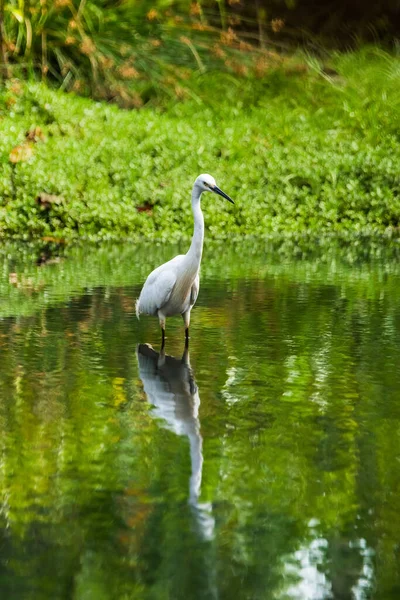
264, 465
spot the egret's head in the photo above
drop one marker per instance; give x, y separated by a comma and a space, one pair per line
206, 183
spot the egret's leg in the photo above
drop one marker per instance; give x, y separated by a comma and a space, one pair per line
186, 320
161, 319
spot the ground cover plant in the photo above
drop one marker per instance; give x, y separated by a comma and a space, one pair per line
300, 150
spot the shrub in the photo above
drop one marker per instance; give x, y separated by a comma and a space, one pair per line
298, 153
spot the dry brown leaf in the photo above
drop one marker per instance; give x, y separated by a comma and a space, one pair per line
45, 200
21, 153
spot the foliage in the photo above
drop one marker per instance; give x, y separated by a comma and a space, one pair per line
297, 149
131, 51
125, 51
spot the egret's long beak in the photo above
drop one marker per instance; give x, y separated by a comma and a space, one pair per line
221, 193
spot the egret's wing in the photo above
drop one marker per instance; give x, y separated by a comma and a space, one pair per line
156, 290
194, 292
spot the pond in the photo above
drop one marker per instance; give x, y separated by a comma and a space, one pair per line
264, 463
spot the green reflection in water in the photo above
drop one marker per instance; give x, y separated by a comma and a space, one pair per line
267, 467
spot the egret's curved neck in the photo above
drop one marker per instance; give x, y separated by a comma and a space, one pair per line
196, 248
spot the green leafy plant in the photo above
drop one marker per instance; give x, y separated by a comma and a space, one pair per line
300, 152
126, 51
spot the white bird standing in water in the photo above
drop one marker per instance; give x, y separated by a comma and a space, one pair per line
172, 288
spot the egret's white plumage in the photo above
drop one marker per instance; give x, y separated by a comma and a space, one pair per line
172, 288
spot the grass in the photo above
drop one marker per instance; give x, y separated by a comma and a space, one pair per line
300, 150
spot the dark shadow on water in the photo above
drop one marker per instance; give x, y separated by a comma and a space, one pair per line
171, 388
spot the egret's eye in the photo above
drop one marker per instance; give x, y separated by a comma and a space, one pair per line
205, 183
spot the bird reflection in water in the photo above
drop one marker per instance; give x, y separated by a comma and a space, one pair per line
170, 387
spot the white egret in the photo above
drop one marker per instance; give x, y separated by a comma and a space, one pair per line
172, 288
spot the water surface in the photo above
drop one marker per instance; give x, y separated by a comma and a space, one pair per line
264, 463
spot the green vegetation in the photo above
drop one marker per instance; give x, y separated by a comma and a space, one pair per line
125, 51
130, 51
299, 150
